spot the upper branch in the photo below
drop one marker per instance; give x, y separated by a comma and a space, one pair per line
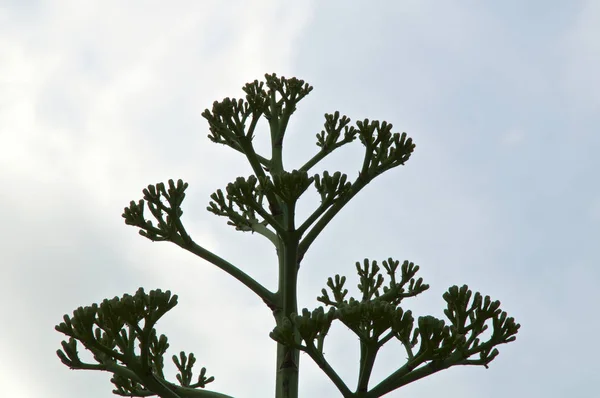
227, 122
331, 188
276, 103
281, 99
248, 197
383, 151
329, 139
171, 228
329, 210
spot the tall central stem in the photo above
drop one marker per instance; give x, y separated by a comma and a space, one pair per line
287, 357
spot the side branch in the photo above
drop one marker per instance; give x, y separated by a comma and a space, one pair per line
256, 164
328, 216
171, 228
266, 295
261, 159
408, 374
227, 126
329, 138
321, 155
320, 360
313, 217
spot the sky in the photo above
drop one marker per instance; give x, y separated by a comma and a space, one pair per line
98, 99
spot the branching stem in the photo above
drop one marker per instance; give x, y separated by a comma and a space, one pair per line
184, 241
320, 360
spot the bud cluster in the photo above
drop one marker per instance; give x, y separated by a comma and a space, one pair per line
383, 150
377, 317
167, 227
110, 332
328, 139
228, 118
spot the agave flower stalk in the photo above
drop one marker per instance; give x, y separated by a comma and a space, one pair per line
120, 332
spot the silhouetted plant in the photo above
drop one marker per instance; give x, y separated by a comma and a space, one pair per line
265, 203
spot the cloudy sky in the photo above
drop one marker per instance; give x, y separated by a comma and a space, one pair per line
99, 99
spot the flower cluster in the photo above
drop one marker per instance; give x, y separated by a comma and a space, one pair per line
113, 333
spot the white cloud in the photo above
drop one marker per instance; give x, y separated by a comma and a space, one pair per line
98, 99
513, 137
76, 80
581, 51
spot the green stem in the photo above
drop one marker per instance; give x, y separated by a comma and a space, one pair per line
257, 227
367, 160
385, 338
314, 216
276, 136
321, 154
262, 160
285, 117
252, 127
368, 352
320, 360
359, 184
185, 392
404, 375
393, 293
287, 377
251, 155
288, 358
185, 242
156, 384
266, 232
394, 382
248, 150
264, 214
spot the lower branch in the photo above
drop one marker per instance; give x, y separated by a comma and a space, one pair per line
188, 244
159, 387
320, 360
406, 375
